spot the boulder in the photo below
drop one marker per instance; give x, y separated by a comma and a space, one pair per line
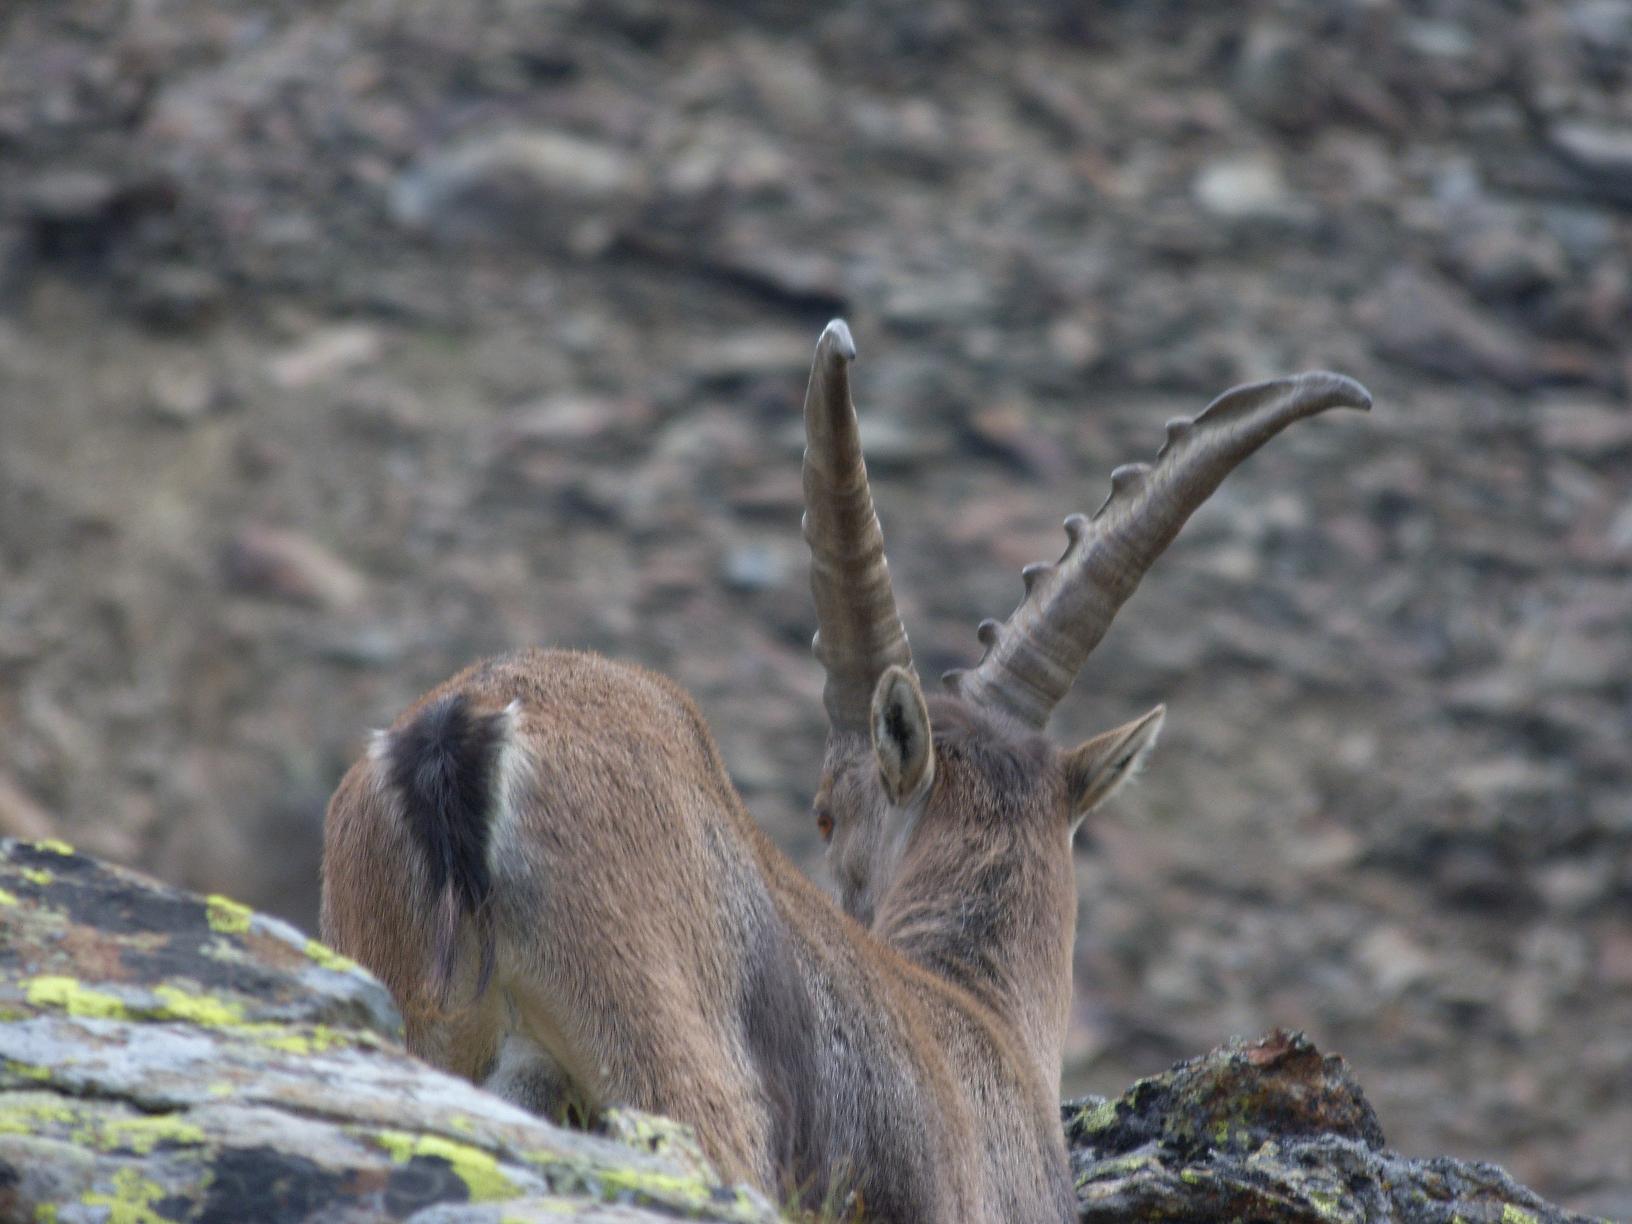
166, 1056
1270, 1130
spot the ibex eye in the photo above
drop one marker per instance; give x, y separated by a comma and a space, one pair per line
824, 824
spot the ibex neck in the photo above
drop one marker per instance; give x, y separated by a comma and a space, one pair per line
999, 928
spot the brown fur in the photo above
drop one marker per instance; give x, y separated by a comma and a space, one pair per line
655, 949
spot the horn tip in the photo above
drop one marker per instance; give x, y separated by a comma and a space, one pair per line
1337, 390
837, 341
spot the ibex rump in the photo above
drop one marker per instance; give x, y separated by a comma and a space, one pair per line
546, 863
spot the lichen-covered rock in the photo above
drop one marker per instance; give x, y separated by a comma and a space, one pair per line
165, 1056
1270, 1130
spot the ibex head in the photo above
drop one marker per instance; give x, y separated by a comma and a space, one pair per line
898, 763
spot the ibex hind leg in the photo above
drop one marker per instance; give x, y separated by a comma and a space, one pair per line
526, 1074
645, 1060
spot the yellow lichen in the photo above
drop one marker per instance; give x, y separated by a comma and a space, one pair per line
208, 1010
131, 1201
226, 916
654, 1134
479, 1170
328, 958
46, 1213
319, 1039
140, 1135
24, 1113
36, 875
54, 845
66, 994
6, 898
1119, 1165
1100, 1117
690, 1193
1516, 1215
1327, 1203
27, 1070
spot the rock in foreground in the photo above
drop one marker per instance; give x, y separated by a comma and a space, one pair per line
165, 1056
1270, 1130
173, 1057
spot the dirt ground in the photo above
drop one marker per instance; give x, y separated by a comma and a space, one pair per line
342, 342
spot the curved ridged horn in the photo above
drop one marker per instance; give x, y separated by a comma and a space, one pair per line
858, 632
1034, 656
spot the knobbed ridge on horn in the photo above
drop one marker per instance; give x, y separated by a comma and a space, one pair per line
859, 632
1032, 658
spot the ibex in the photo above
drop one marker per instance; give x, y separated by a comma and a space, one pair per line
545, 862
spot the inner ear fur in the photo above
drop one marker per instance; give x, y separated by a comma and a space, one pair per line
1097, 767
901, 735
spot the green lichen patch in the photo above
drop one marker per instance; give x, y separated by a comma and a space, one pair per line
1516, 1215
139, 1134
209, 1010
698, 1193
328, 958
131, 1200
315, 1039
1093, 1118
92, 1127
33, 1113
659, 1135
689, 1194
7, 898
226, 916
478, 1170
54, 846
66, 994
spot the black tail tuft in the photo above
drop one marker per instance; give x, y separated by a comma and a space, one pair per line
443, 764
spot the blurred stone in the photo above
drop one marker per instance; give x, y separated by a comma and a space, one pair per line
1499, 259
180, 393
1603, 25
751, 354
572, 420
1496, 780
1422, 322
552, 187
286, 565
1007, 432
1245, 188
1602, 152
70, 194
1586, 427
753, 567
1395, 961
1277, 79
175, 296
324, 355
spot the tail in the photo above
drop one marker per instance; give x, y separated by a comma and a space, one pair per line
443, 766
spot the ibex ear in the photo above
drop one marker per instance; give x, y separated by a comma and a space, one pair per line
1094, 769
901, 737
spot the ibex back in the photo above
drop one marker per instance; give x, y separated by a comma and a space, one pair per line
546, 863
